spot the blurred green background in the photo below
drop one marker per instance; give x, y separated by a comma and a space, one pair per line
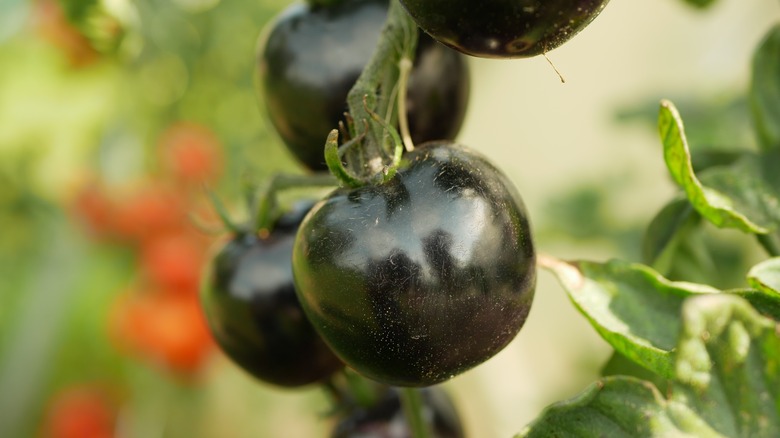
98, 97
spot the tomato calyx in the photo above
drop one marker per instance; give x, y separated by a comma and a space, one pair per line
263, 204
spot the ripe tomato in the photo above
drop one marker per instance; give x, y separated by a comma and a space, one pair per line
251, 306
166, 329
78, 412
416, 280
310, 57
190, 153
174, 261
94, 209
147, 210
503, 28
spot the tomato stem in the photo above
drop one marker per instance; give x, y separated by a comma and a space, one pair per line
404, 68
219, 208
333, 160
335, 392
265, 206
361, 389
411, 400
372, 93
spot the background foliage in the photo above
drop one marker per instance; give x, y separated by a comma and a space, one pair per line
97, 97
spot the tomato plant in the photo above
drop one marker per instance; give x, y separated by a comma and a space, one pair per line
416, 265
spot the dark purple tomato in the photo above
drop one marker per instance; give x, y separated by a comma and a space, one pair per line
310, 56
423, 277
503, 28
251, 307
386, 419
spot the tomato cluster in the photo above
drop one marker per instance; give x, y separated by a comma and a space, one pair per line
410, 279
158, 317
421, 265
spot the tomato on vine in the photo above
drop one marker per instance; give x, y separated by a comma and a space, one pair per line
422, 277
251, 307
310, 57
505, 28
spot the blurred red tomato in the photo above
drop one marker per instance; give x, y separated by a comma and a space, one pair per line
167, 329
148, 210
93, 208
50, 22
174, 261
190, 153
81, 411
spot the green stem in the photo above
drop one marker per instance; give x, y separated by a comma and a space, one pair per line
333, 159
398, 40
362, 390
335, 392
398, 149
404, 67
266, 205
411, 400
219, 208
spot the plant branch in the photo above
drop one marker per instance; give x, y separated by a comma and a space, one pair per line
411, 400
265, 205
374, 86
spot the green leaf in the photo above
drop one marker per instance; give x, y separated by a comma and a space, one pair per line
620, 365
719, 127
765, 276
616, 407
753, 186
727, 366
725, 384
767, 303
632, 307
765, 90
665, 231
716, 203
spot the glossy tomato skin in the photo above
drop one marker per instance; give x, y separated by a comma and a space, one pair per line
251, 307
421, 278
386, 418
310, 56
503, 28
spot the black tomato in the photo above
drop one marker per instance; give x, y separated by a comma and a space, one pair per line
310, 56
503, 28
387, 419
416, 280
251, 307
